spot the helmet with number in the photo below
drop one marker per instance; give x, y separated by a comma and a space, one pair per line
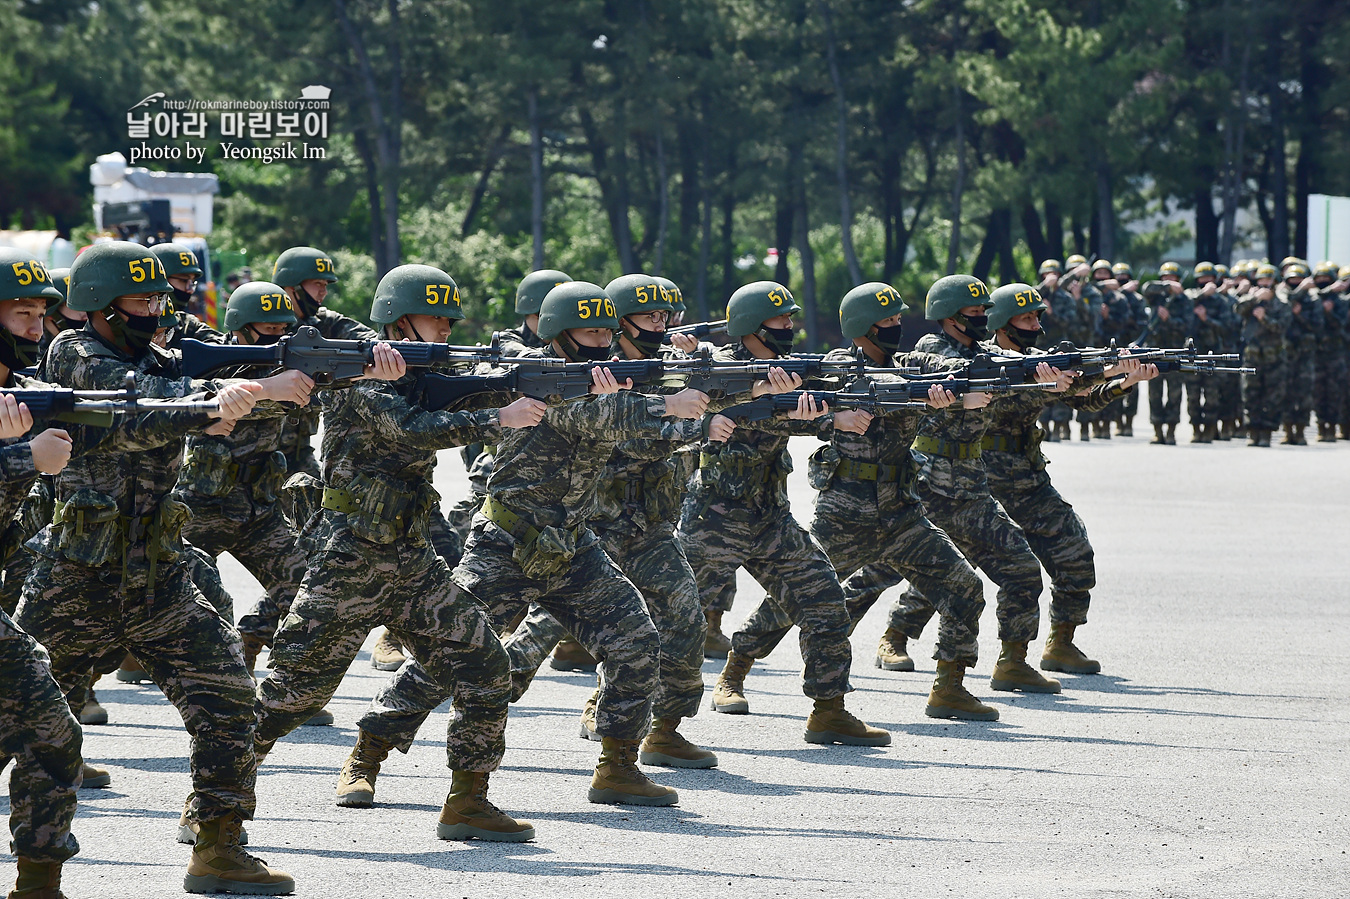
1050, 265
1205, 270
1122, 271
1290, 260
865, 305
949, 295
1294, 271
1169, 268
1075, 260
1325, 269
177, 259
23, 276
1265, 270
1011, 300
638, 294
576, 304
535, 286
677, 306
755, 303
415, 290
1344, 273
113, 269
303, 264
257, 302
1220, 271
61, 281
1101, 265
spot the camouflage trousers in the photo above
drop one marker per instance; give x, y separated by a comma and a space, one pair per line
1202, 398
264, 543
795, 570
462, 512
190, 652
870, 554
39, 732
1164, 399
655, 562
1263, 394
266, 615
1298, 396
351, 587
988, 538
1056, 412
1228, 389
594, 601
1330, 389
15, 573
1129, 406
1057, 536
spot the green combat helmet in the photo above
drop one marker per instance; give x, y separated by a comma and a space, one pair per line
754, 304
61, 281
1220, 271
257, 302
577, 304
1122, 271
177, 259
639, 294
1205, 270
23, 276
864, 306
1295, 271
1101, 265
415, 290
1012, 300
1169, 268
1325, 269
1050, 265
535, 286
303, 264
1074, 261
949, 295
677, 306
1265, 270
113, 269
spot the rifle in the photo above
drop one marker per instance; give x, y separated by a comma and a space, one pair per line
97, 407
324, 360
701, 330
536, 378
878, 398
1019, 367
702, 372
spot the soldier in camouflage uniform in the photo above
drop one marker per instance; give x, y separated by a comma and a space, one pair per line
1265, 320
37, 729
1061, 317
1228, 391
1018, 480
955, 493
1303, 336
184, 270
110, 567
737, 515
373, 562
1129, 289
1209, 311
868, 513
1115, 321
1332, 372
1169, 325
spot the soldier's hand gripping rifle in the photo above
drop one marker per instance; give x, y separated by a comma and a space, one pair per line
324, 360
98, 407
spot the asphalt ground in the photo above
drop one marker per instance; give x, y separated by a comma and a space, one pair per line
1209, 759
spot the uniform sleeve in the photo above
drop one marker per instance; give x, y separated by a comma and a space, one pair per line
386, 412
622, 416
16, 462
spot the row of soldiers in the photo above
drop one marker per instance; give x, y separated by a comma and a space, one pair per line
615, 516
1292, 324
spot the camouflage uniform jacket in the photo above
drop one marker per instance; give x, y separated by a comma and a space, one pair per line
1335, 322
1174, 331
1263, 340
1118, 324
1305, 325
1061, 321
303, 424
953, 425
17, 471
130, 468
518, 341
1208, 333
550, 474
753, 465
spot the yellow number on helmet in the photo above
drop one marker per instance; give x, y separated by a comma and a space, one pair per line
21, 272
583, 309
609, 307
187, 259
776, 298
642, 294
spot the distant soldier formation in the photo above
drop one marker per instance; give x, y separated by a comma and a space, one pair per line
621, 470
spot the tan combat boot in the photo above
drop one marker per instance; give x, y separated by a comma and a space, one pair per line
321, 718
253, 645
569, 655
94, 778
37, 880
950, 698
588, 717
729, 693
93, 712
387, 654
665, 746
892, 654
1061, 655
1158, 437
1011, 672
356, 780
187, 828
220, 865
717, 644
619, 781
468, 815
830, 722
131, 671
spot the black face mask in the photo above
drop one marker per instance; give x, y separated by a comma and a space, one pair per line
309, 307
181, 298
777, 339
261, 338
17, 352
1023, 337
134, 332
887, 339
578, 353
976, 327
649, 343
65, 324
